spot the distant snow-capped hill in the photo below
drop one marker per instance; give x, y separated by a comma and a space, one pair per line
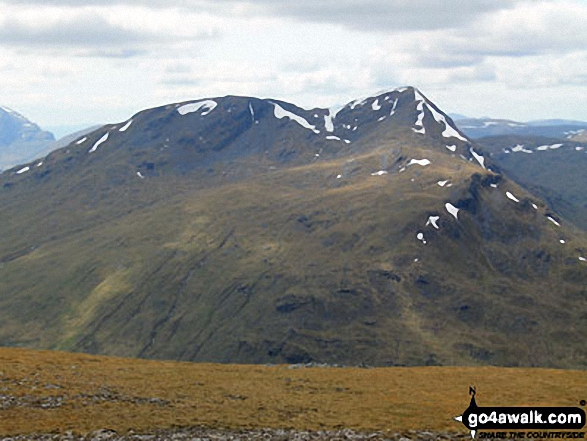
553, 128
20, 139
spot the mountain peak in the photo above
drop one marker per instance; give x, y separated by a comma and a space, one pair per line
237, 126
240, 229
403, 112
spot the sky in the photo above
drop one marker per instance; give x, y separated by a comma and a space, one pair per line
71, 63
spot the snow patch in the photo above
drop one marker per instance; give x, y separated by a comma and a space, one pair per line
420, 237
23, 170
493, 185
579, 148
333, 137
535, 206
358, 102
449, 131
582, 259
126, 126
553, 221
379, 173
393, 107
207, 105
418, 97
7, 110
252, 112
551, 147
347, 141
520, 148
422, 162
376, 106
382, 118
338, 176
480, 159
100, 141
562, 241
328, 120
442, 183
511, 196
140, 175
420, 107
39, 164
81, 141
452, 209
280, 113
452, 148
433, 220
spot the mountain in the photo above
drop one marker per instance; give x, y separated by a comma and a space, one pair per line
457, 116
250, 230
551, 168
66, 140
554, 128
557, 122
20, 139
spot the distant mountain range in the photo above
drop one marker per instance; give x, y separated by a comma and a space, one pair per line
554, 128
248, 230
20, 139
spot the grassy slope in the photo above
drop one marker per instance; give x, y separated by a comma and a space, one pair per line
101, 392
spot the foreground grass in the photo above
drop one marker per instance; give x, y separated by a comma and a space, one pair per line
44, 391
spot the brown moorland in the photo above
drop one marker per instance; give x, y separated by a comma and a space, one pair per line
50, 391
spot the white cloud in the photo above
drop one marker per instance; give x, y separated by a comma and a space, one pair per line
529, 29
386, 15
108, 59
117, 31
365, 15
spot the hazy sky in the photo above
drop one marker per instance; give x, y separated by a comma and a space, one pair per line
72, 62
